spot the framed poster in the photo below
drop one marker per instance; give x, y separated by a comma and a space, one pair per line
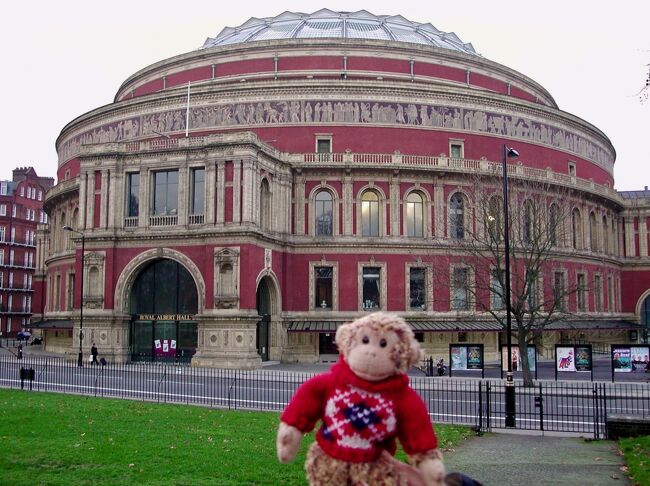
458, 357
621, 359
583, 358
565, 358
474, 358
640, 356
516, 359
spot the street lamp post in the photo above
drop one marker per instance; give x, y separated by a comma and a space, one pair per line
80, 361
510, 384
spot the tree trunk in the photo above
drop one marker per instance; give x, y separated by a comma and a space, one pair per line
525, 364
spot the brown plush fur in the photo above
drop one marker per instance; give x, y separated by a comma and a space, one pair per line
324, 470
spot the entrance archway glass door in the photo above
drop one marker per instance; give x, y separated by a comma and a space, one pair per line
163, 302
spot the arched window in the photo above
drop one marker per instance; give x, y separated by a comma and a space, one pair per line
527, 223
323, 213
605, 236
414, 215
593, 233
457, 217
576, 226
265, 205
370, 214
553, 223
494, 218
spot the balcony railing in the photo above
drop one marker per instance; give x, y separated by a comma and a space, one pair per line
131, 222
163, 220
196, 219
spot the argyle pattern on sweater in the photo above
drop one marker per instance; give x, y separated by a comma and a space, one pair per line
356, 419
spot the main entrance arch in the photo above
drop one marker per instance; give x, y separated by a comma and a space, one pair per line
163, 303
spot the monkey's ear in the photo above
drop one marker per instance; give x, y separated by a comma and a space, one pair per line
345, 338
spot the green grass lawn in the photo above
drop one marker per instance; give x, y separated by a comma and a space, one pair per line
74, 440
636, 451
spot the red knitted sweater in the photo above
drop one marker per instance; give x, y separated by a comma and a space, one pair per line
361, 418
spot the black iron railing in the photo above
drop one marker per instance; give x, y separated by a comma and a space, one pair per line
576, 407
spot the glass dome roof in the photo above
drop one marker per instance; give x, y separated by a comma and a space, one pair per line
341, 25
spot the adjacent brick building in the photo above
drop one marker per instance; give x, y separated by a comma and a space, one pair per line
21, 210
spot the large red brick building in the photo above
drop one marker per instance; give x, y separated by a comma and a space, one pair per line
21, 210
239, 201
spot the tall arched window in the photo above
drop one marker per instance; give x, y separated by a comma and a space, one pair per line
370, 214
323, 213
605, 236
414, 216
527, 223
553, 223
457, 217
265, 205
576, 227
593, 232
494, 218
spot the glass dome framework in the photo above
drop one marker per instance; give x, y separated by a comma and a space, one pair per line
326, 24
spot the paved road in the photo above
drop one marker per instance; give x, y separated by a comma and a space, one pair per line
516, 459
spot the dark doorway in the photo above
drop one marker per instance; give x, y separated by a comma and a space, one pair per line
264, 311
326, 344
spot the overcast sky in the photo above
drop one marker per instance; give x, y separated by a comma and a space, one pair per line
62, 59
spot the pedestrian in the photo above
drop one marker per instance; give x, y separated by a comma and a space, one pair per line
20, 350
93, 352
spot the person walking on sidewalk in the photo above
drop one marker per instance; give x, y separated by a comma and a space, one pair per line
93, 352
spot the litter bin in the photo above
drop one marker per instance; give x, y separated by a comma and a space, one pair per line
27, 374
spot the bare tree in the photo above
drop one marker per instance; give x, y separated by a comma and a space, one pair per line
543, 232
643, 92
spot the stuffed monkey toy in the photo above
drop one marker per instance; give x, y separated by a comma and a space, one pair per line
364, 403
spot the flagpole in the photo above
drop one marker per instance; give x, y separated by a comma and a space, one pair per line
187, 112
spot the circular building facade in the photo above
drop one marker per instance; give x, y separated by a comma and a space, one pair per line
239, 202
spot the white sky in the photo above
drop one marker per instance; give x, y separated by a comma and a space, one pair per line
61, 59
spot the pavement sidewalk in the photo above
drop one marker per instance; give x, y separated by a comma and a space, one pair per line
515, 459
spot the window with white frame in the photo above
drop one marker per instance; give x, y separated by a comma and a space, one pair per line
2, 257
417, 288
40, 195
12, 254
456, 149
323, 213
25, 281
598, 293
198, 190
11, 280
13, 234
3, 188
13, 211
414, 215
457, 217
460, 288
22, 191
496, 290
3, 209
2, 233
29, 282
559, 290
164, 199
371, 289
369, 213
581, 292
323, 287
2, 279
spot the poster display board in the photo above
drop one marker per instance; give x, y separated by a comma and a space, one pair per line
573, 358
628, 358
466, 357
516, 359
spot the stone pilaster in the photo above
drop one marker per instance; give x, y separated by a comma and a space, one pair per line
143, 195
395, 206
221, 193
438, 209
236, 191
183, 185
643, 235
348, 199
103, 198
210, 188
299, 200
